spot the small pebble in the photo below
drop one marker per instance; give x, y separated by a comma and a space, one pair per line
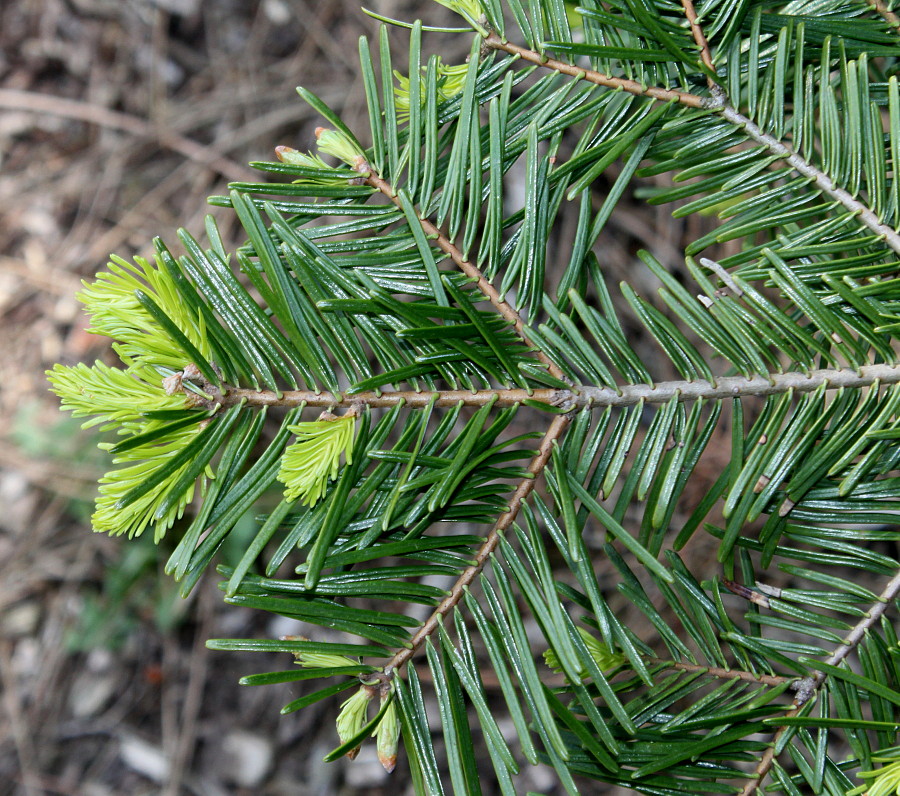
277, 11
249, 758
21, 619
366, 770
144, 758
89, 693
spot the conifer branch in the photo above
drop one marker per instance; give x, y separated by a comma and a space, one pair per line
631, 86
467, 267
700, 39
575, 398
192, 335
808, 687
822, 181
720, 673
523, 490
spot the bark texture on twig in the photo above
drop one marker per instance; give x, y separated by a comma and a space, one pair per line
579, 396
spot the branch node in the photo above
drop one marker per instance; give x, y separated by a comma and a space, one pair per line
805, 689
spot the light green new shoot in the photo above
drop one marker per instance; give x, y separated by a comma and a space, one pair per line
320, 660
110, 395
116, 514
309, 463
470, 10
883, 781
117, 312
352, 717
603, 656
450, 82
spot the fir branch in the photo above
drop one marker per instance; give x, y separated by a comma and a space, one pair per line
523, 490
494, 42
700, 39
720, 673
807, 688
578, 396
822, 181
468, 268
167, 318
866, 215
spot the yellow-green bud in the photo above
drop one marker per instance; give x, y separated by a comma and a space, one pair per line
314, 459
603, 656
294, 157
387, 735
319, 660
470, 10
352, 717
450, 82
334, 142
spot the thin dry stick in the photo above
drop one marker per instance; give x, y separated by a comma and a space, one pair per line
809, 686
468, 268
523, 490
18, 725
575, 398
866, 215
98, 114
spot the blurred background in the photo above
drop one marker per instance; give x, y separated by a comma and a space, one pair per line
117, 119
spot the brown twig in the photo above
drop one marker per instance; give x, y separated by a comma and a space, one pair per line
576, 397
409, 398
717, 102
631, 86
700, 39
100, 115
809, 686
468, 268
721, 674
523, 490
717, 92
